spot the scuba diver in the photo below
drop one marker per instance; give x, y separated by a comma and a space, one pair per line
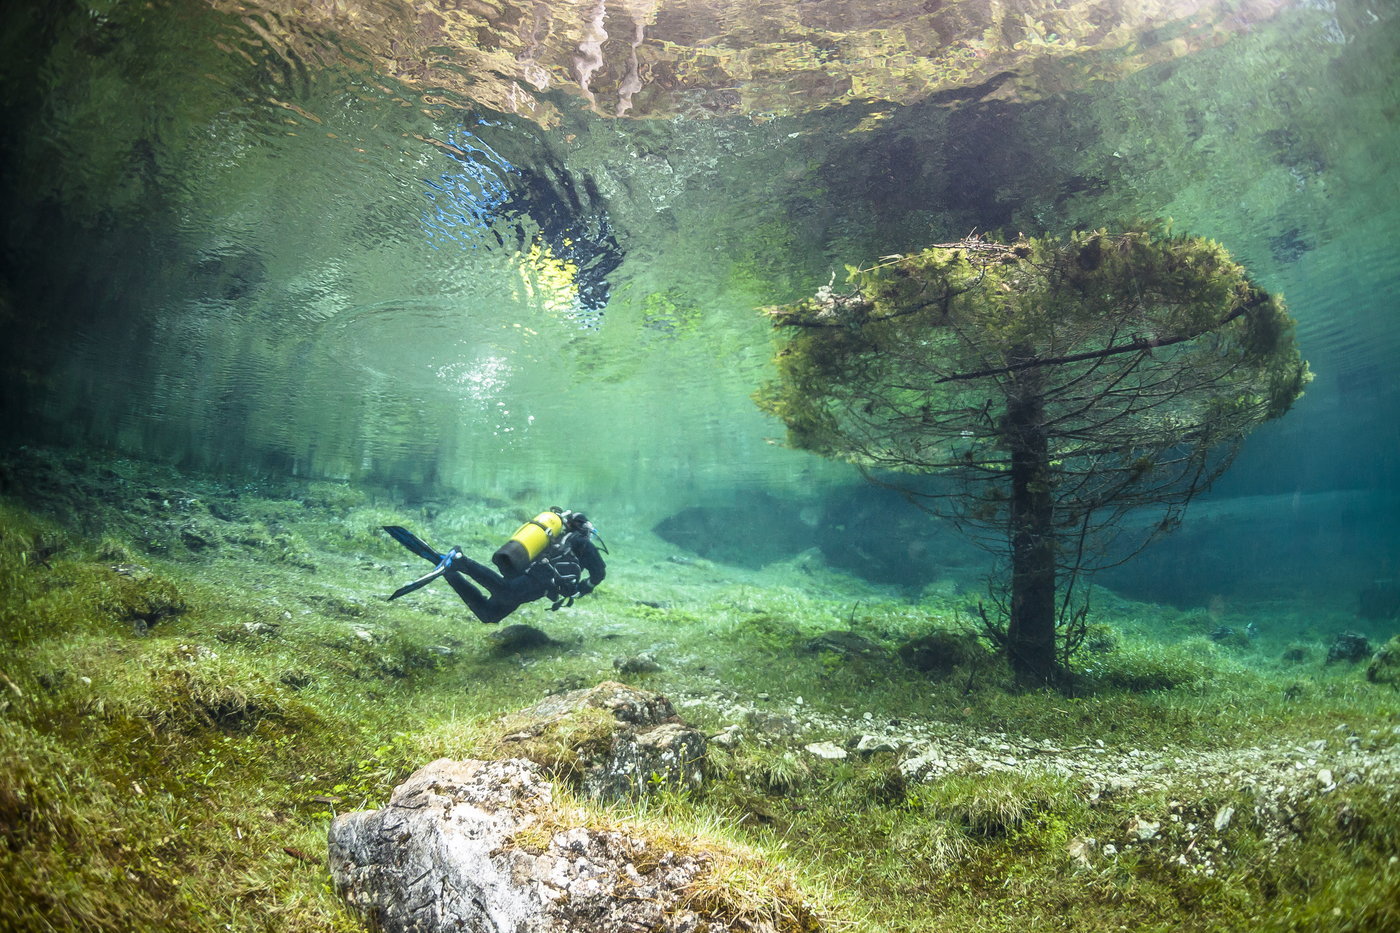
547, 556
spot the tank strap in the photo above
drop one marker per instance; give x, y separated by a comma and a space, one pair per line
547, 533
548, 571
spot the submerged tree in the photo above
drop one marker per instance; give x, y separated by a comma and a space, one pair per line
1064, 383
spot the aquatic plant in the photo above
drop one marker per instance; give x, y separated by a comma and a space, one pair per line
1062, 385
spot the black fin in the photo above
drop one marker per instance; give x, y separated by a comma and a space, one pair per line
411, 541
420, 582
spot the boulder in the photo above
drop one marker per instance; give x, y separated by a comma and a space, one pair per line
479, 846
1350, 647
614, 740
1385, 664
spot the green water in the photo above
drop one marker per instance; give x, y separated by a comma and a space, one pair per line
331, 266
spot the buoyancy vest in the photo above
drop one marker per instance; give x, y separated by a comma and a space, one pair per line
558, 569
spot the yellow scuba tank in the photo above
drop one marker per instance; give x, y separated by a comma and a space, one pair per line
528, 542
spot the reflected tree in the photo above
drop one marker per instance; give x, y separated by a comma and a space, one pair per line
1061, 383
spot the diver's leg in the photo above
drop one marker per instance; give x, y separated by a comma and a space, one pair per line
487, 577
496, 609
469, 594
489, 610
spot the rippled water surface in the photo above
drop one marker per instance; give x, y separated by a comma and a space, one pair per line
502, 248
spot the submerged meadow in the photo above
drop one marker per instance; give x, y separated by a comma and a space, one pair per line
199, 673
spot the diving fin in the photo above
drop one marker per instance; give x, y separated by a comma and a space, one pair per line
415, 544
444, 565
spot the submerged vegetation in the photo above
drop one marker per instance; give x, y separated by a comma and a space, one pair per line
196, 675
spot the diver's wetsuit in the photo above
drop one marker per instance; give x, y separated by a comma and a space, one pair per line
508, 593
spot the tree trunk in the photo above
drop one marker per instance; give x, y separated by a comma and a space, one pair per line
1030, 635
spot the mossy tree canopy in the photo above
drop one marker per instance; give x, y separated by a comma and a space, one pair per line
1063, 381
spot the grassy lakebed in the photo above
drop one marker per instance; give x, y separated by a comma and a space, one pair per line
199, 673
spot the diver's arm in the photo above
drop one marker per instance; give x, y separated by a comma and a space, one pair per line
592, 562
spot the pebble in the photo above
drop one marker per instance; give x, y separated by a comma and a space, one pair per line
729, 738
1145, 830
1280, 777
828, 750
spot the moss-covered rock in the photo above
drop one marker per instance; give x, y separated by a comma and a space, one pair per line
614, 740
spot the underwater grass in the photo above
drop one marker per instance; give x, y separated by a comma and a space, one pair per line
178, 725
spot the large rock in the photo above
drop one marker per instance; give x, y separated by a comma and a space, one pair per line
1350, 647
614, 740
477, 846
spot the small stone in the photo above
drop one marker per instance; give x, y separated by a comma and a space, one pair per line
828, 750
1110, 850
1324, 777
1145, 830
637, 664
1081, 849
1223, 816
730, 737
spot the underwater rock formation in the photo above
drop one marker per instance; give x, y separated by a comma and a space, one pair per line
473, 845
743, 535
1350, 647
616, 741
